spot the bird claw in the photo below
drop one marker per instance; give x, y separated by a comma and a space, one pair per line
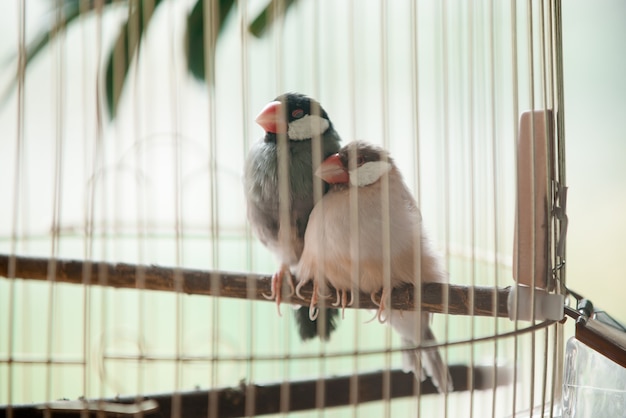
272, 295
299, 287
381, 306
313, 310
277, 286
338, 296
344, 301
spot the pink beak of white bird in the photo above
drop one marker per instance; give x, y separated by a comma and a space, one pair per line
333, 171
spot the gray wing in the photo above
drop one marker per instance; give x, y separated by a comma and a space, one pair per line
263, 203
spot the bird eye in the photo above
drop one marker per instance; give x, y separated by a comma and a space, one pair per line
297, 114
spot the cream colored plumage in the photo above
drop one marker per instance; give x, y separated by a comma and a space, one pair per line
328, 249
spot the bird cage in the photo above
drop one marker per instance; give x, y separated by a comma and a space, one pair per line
133, 283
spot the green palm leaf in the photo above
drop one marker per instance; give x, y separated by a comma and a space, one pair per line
67, 13
128, 41
126, 48
276, 8
196, 36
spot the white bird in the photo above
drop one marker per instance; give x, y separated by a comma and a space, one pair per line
329, 251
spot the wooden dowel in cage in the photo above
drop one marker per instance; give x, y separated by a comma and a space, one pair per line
232, 401
487, 301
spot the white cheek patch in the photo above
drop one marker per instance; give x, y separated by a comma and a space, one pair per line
307, 127
369, 173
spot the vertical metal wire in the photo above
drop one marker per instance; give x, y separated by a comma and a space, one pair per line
317, 59
317, 147
544, 376
353, 207
515, 99
251, 287
557, 329
385, 207
531, 88
471, 100
548, 90
445, 70
384, 73
89, 167
494, 185
96, 184
544, 63
559, 133
178, 221
415, 90
16, 198
417, 252
143, 13
283, 183
554, 86
210, 19
133, 37
560, 113
58, 98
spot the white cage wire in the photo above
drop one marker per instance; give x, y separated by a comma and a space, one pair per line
441, 85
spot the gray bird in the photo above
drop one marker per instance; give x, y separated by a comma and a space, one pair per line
294, 126
383, 203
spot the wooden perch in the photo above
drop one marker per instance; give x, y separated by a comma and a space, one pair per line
487, 301
252, 399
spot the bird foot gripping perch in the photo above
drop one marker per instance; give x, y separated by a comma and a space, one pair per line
277, 286
342, 300
313, 309
386, 293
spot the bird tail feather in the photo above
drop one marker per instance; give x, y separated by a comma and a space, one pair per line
425, 361
434, 365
